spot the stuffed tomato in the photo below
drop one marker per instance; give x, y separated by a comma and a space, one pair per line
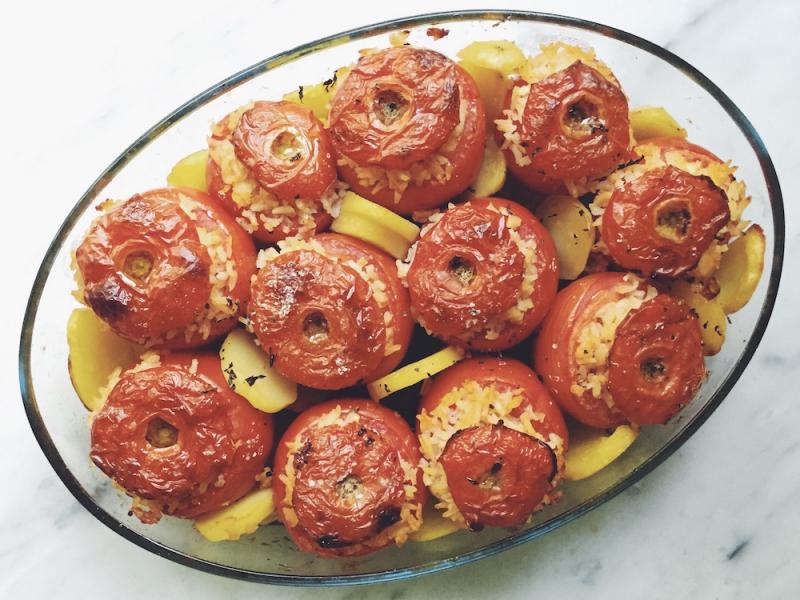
482, 274
613, 350
271, 165
175, 437
492, 441
166, 268
330, 311
408, 128
347, 480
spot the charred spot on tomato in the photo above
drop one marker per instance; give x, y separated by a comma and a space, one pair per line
475, 526
463, 269
109, 300
138, 265
673, 219
387, 517
332, 541
315, 327
301, 456
161, 434
582, 116
653, 368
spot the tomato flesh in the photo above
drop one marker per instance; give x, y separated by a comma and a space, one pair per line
656, 363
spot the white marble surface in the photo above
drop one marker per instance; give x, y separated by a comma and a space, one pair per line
81, 80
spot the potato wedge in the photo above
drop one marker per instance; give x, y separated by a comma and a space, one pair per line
492, 86
713, 322
654, 121
492, 175
500, 55
570, 226
240, 518
434, 525
591, 450
95, 351
190, 171
414, 372
249, 373
354, 203
317, 97
740, 270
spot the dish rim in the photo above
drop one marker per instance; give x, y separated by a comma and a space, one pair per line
54, 458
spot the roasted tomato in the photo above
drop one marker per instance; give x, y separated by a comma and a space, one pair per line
492, 441
569, 125
178, 440
168, 268
347, 480
271, 165
571, 351
484, 275
662, 222
331, 312
656, 363
408, 128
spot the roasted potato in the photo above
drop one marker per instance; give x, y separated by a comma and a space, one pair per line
190, 171
240, 518
740, 270
414, 372
570, 226
498, 55
591, 450
654, 121
713, 322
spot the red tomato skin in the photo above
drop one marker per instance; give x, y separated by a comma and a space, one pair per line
554, 348
392, 426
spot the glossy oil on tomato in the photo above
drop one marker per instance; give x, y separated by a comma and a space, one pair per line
319, 320
467, 271
398, 107
349, 483
183, 441
656, 363
661, 222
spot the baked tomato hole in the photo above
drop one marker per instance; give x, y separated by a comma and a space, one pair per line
161, 434
583, 116
491, 478
287, 146
390, 106
463, 269
138, 265
673, 218
653, 369
350, 489
315, 326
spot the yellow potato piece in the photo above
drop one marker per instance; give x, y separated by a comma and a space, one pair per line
363, 228
570, 226
190, 171
492, 175
713, 322
499, 55
654, 121
317, 97
557, 56
591, 450
434, 525
248, 371
414, 372
740, 270
354, 203
492, 86
95, 351
240, 518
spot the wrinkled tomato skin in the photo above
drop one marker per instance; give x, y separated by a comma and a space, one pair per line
308, 177
469, 232
632, 229
349, 117
516, 468
220, 437
656, 363
344, 454
302, 285
177, 287
534, 465
560, 149
554, 348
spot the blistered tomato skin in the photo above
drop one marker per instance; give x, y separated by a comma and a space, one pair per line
398, 107
555, 346
661, 222
349, 484
467, 271
656, 363
497, 475
183, 441
319, 319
